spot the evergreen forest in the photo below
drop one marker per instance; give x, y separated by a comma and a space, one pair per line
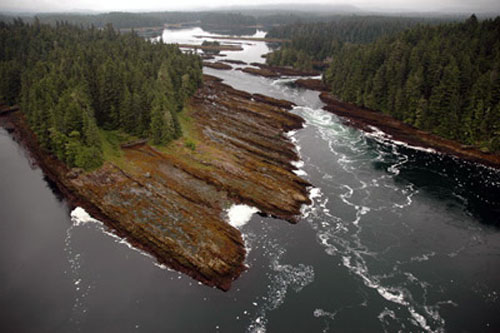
75, 85
126, 20
311, 42
443, 79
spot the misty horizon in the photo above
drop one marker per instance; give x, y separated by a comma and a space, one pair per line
327, 7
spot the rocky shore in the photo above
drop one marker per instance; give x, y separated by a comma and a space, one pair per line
252, 39
171, 202
366, 119
275, 71
215, 48
235, 62
217, 65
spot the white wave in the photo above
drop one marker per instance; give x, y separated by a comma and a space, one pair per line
239, 215
421, 321
300, 173
80, 217
314, 193
386, 313
383, 137
282, 81
298, 164
423, 257
393, 294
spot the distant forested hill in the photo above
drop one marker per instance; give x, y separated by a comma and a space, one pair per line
124, 20
75, 84
318, 41
444, 79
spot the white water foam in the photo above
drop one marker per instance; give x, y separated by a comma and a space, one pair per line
385, 138
239, 215
343, 237
299, 171
283, 278
328, 316
80, 217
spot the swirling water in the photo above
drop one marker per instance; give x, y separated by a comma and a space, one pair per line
396, 239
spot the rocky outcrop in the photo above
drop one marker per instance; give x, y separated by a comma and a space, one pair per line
259, 72
217, 65
235, 62
223, 47
253, 39
286, 71
274, 71
171, 201
364, 119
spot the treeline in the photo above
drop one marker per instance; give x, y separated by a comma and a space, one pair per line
72, 83
443, 79
124, 20
227, 19
318, 41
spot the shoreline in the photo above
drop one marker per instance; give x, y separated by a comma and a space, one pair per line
171, 202
370, 121
365, 119
222, 47
252, 39
52, 169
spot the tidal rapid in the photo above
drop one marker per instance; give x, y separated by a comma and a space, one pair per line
397, 239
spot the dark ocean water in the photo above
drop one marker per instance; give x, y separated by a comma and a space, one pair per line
397, 239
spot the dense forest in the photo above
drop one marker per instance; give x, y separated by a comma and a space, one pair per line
124, 20
74, 85
318, 41
444, 79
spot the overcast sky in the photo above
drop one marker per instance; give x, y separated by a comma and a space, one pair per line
156, 5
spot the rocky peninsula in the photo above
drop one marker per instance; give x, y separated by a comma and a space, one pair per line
171, 202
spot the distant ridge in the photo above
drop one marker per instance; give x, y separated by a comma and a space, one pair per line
285, 8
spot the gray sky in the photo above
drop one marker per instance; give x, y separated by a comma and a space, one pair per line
156, 5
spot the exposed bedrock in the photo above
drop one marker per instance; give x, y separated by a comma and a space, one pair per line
171, 201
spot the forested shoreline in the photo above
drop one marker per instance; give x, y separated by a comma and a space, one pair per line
77, 85
444, 79
319, 41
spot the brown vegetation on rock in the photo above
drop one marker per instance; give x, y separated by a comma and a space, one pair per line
259, 72
236, 62
275, 71
170, 201
217, 65
223, 47
363, 118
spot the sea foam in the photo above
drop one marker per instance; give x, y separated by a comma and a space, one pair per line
239, 215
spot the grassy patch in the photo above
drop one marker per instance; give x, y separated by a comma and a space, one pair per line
111, 141
188, 125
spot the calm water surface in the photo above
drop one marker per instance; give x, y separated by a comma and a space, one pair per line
396, 240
